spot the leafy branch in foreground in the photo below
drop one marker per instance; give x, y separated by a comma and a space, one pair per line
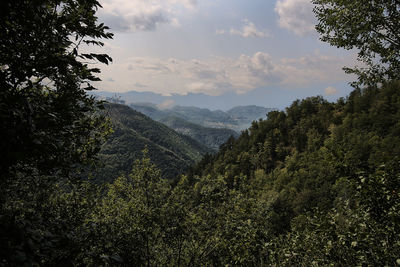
371, 27
46, 116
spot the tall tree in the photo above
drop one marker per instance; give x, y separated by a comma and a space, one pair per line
47, 119
372, 27
48, 124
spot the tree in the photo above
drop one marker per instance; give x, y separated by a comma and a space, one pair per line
47, 118
372, 27
130, 223
50, 128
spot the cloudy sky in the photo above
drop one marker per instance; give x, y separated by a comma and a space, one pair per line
264, 52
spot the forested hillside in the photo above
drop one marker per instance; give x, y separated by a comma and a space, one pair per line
327, 179
316, 184
132, 132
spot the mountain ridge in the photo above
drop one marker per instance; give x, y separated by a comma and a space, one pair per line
238, 118
133, 132
222, 102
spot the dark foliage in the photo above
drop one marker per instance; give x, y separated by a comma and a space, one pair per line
50, 128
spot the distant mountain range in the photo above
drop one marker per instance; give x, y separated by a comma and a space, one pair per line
172, 152
210, 137
237, 118
223, 102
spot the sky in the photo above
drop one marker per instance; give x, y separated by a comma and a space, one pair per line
263, 52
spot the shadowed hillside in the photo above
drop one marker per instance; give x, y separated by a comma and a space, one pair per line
133, 132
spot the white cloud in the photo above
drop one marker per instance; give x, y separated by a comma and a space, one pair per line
249, 30
313, 69
189, 4
217, 75
331, 90
296, 16
141, 15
